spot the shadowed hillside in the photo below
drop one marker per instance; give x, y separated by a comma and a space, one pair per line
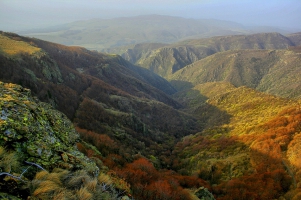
295, 38
98, 92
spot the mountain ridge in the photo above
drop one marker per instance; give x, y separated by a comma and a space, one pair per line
74, 80
167, 60
259, 69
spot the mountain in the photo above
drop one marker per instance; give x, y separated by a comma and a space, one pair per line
271, 71
121, 118
97, 65
220, 135
132, 53
295, 38
97, 92
99, 34
166, 60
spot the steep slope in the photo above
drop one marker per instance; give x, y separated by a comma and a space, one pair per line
249, 150
240, 67
124, 127
98, 93
107, 33
36, 138
272, 71
295, 38
167, 60
101, 65
131, 79
41, 134
39, 154
135, 52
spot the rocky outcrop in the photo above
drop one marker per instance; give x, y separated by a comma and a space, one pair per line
38, 133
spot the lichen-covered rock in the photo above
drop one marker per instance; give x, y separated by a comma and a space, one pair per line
38, 132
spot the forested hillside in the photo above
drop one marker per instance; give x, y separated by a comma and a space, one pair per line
96, 91
248, 153
116, 110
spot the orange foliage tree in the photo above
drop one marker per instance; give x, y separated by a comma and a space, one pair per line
102, 142
149, 183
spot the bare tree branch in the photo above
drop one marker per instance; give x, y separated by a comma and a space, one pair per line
20, 177
8, 174
38, 166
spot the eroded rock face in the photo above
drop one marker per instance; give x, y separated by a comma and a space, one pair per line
37, 132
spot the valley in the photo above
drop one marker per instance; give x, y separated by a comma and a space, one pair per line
214, 118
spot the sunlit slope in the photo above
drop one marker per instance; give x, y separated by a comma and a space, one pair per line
258, 140
14, 47
244, 106
272, 71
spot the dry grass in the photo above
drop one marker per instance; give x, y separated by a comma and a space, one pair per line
92, 185
83, 194
62, 184
13, 47
41, 175
62, 195
2, 151
78, 179
8, 161
55, 177
104, 178
46, 187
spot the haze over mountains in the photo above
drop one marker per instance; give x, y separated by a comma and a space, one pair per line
99, 34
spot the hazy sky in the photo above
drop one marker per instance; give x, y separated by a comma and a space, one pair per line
25, 14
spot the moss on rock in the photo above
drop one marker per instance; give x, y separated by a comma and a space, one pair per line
37, 132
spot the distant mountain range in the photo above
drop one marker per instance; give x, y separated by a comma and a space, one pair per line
271, 71
99, 34
253, 60
167, 59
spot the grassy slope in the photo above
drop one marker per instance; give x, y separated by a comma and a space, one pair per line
272, 71
14, 47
